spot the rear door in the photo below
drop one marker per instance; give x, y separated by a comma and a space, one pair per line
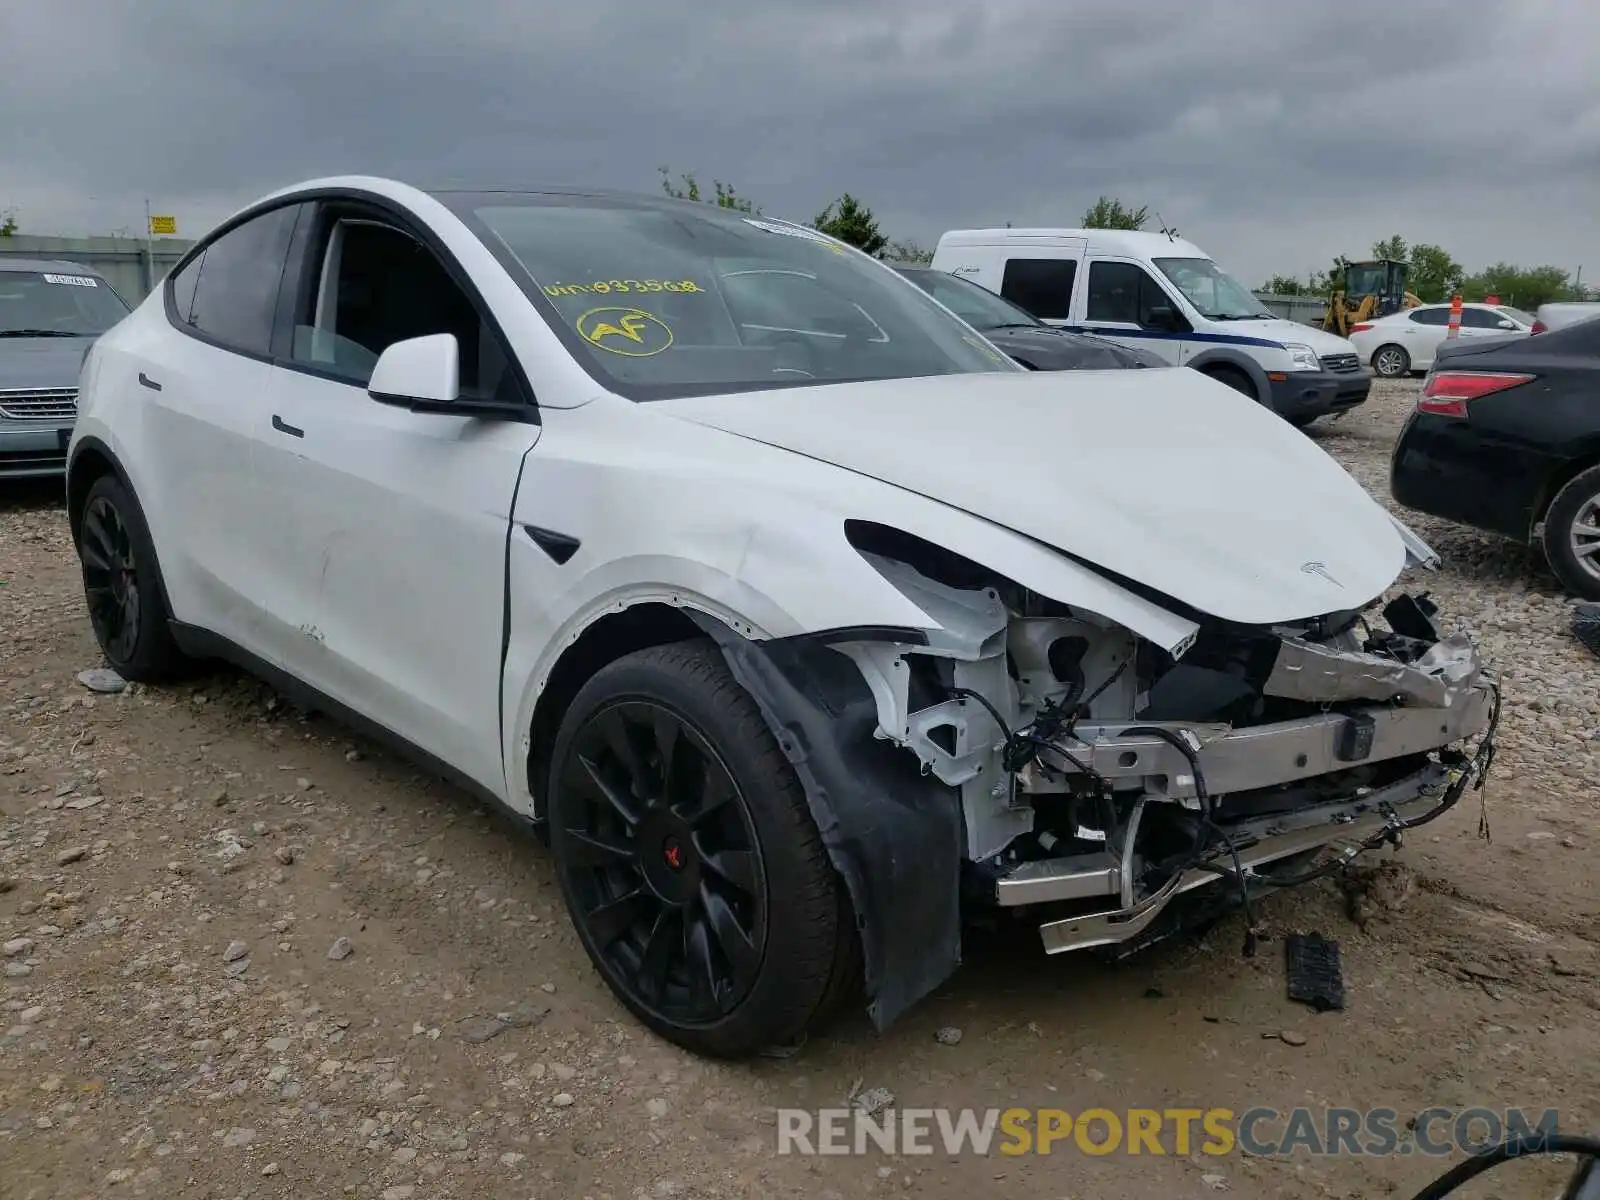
395, 522
207, 396
1422, 331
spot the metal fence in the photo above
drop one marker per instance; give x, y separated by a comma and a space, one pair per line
131, 265
1308, 310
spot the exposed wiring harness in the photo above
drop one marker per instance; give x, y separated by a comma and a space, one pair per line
1474, 771
1208, 824
1056, 721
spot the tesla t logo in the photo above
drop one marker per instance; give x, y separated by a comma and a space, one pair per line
673, 853
628, 331
1321, 571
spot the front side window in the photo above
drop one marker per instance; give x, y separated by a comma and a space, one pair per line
973, 303
233, 293
1043, 286
378, 285
1516, 314
61, 303
1216, 295
664, 300
1123, 293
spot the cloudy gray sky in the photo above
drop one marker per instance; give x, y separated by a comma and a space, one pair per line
1277, 135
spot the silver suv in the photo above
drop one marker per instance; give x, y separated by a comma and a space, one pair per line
50, 314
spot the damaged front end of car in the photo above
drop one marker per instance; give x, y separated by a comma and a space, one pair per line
1022, 754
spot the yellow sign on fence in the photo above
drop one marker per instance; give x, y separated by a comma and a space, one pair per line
163, 224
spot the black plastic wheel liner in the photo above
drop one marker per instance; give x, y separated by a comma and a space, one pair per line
893, 834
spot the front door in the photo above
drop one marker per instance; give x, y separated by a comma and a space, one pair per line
1125, 304
399, 520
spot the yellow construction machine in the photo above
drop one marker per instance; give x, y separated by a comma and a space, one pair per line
1364, 290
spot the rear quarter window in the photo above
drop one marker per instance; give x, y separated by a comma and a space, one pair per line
1043, 286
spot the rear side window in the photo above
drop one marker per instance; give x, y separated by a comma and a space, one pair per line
233, 292
1043, 286
1431, 316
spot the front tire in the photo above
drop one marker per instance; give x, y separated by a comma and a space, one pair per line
688, 858
122, 585
1572, 534
1391, 361
1236, 379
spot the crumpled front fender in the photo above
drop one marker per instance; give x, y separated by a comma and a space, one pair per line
893, 833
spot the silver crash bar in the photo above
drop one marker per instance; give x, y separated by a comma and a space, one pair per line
1423, 793
1260, 756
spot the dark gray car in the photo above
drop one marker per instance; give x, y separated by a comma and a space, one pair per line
1019, 333
50, 314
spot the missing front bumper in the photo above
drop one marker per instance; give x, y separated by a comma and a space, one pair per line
1360, 824
1262, 756
1403, 803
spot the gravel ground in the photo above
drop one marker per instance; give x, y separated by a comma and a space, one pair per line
247, 956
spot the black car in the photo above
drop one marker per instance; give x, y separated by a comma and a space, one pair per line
1506, 438
1019, 333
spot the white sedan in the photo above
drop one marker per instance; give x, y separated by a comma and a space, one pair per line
1406, 341
798, 614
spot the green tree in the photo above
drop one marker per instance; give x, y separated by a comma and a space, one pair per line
1107, 213
907, 250
8, 223
1391, 247
1525, 287
1434, 276
722, 194
1284, 285
851, 221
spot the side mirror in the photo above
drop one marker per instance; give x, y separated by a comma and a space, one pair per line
422, 373
1506, 323
1162, 318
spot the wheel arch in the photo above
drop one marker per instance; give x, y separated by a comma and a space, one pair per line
1580, 462
1210, 362
611, 636
91, 459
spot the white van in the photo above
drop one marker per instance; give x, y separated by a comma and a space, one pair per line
1166, 297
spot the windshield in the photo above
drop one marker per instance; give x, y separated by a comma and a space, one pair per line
663, 300
46, 304
973, 303
1517, 315
1217, 295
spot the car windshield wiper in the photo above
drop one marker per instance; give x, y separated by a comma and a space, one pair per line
4, 333
1255, 316
1018, 325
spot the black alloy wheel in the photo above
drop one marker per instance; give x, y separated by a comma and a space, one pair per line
111, 578
122, 585
662, 862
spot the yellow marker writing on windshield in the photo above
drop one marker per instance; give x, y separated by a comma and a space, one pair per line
629, 331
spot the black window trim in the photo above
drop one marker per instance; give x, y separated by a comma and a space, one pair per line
295, 276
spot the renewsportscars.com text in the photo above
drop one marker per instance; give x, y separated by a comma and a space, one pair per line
1258, 1131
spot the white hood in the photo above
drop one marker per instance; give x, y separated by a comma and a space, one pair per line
1286, 332
1164, 477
